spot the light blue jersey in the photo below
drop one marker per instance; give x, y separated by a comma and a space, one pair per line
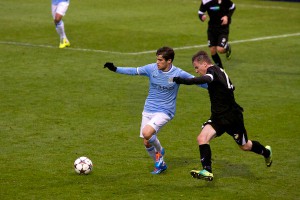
162, 93
55, 2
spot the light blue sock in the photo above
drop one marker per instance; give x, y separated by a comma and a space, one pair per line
151, 151
155, 142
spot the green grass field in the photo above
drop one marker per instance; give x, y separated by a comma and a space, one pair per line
57, 105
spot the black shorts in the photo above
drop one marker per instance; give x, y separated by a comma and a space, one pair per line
217, 36
232, 123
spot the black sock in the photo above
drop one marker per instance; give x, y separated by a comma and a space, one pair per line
217, 60
205, 156
260, 149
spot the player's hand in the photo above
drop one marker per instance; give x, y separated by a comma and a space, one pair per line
177, 80
202, 17
110, 66
224, 20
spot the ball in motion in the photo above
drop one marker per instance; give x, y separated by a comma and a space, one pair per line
83, 165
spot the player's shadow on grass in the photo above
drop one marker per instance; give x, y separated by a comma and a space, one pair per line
179, 162
221, 168
226, 169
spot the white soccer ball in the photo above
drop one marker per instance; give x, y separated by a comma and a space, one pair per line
83, 165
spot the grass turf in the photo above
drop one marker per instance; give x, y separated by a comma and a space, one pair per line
57, 105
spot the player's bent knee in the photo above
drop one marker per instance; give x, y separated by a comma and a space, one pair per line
245, 147
201, 140
220, 50
147, 132
57, 19
213, 51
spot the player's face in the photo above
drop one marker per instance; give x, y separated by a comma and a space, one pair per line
163, 64
200, 67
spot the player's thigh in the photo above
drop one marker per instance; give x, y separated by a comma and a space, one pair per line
239, 135
62, 8
212, 37
53, 10
223, 38
237, 129
207, 133
155, 120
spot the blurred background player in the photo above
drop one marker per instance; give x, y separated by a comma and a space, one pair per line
226, 114
59, 9
219, 12
160, 105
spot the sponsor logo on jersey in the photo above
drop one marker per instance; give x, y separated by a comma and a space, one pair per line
215, 8
161, 87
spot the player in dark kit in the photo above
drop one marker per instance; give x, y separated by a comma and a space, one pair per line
219, 12
226, 114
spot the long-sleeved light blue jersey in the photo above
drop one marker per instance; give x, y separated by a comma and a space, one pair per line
162, 93
55, 2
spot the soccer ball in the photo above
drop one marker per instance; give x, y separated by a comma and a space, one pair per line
83, 165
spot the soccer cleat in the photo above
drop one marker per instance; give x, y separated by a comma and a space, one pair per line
269, 160
158, 170
202, 174
64, 43
228, 52
159, 159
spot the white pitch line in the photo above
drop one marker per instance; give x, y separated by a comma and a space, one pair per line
55, 47
266, 7
232, 42
243, 41
150, 51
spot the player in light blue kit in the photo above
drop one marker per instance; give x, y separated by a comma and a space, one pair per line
59, 9
160, 105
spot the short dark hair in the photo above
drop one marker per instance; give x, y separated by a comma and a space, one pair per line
166, 52
201, 56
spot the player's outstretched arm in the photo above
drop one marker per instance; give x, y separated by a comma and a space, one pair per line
192, 81
110, 66
121, 70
